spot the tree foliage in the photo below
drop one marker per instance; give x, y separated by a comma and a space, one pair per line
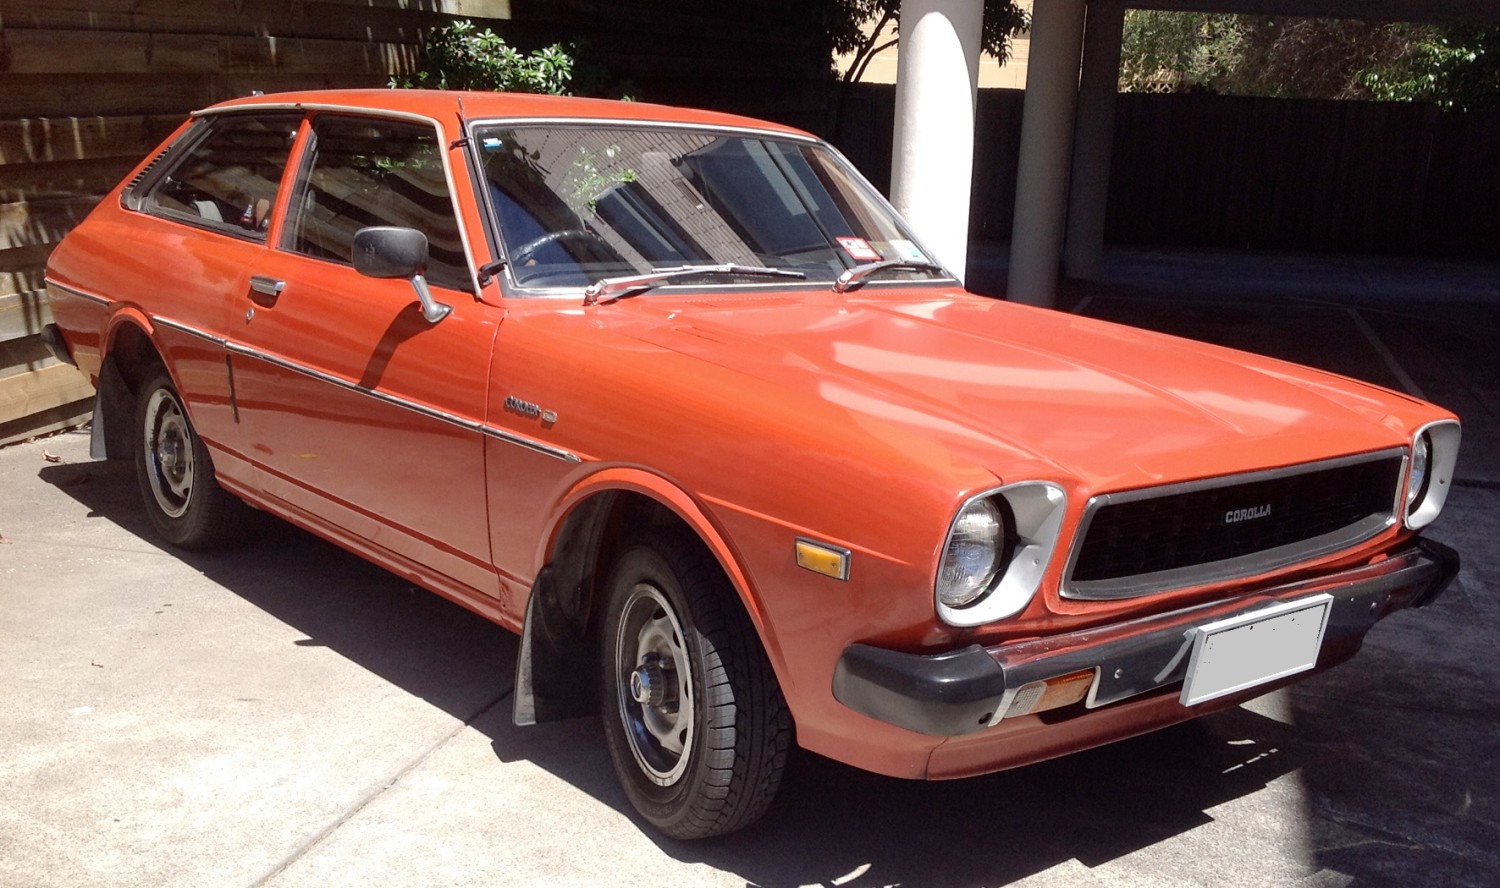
1255, 55
1453, 67
1310, 58
1165, 51
858, 28
458, 56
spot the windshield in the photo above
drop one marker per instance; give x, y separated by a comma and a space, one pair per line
577, 204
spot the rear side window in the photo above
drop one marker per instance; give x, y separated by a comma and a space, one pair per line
226, 174
363, 171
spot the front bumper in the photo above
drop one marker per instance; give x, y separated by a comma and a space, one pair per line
963, 691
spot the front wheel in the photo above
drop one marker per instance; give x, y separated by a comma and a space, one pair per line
183, 500
695, 723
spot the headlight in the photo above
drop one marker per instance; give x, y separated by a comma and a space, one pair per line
972, 555
1434, 454
1416, 479
997, 552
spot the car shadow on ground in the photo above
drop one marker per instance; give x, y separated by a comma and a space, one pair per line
436, 650
1378, 746
830, 824
1399, 786
835, 825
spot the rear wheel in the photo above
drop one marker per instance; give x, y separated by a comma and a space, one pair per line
183, 500
695, 723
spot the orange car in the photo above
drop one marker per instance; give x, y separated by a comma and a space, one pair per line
679, 398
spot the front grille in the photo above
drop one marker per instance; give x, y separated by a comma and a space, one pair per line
1152, 540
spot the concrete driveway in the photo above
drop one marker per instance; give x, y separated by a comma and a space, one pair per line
285, 714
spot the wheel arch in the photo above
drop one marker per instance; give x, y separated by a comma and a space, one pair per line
585, 535
130, 356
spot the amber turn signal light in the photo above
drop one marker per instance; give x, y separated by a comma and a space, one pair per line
830, 561
1053, 693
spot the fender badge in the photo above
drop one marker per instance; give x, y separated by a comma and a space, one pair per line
514, 404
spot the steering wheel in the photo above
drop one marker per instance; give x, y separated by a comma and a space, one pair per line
525, 252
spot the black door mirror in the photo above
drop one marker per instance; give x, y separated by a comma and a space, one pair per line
385, 251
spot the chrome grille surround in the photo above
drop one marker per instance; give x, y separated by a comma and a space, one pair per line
1244, 565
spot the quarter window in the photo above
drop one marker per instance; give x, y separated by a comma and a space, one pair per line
227, 178
360, 172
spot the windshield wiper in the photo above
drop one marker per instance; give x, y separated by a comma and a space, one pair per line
607, 290
855, 276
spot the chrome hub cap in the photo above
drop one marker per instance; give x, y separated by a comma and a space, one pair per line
655, 685
648, 683
169, 453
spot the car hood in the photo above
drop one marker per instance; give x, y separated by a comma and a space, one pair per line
1006, 386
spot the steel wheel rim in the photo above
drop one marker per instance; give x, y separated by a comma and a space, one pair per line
169, 453
655, 687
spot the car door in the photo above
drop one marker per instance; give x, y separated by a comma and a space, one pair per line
206, 210
364, 417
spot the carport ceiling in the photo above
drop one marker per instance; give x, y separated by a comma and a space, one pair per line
1467, 12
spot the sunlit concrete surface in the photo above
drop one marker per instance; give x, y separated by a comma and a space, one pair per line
284, 714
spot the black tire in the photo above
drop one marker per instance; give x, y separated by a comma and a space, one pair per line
183, 500
699, 750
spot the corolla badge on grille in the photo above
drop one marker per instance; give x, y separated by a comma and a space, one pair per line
1235, 516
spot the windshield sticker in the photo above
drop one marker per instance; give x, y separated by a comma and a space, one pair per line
491, 143
859, 249
905, 249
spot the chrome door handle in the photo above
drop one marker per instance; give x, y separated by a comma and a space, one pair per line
264, 290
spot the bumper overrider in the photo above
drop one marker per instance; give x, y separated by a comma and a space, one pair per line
963, 691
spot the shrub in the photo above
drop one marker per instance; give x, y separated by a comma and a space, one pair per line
458, 56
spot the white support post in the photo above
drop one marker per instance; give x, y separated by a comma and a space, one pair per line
1047, 121
937, 89
1093, 141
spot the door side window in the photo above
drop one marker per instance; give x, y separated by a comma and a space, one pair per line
360, 172
226, 178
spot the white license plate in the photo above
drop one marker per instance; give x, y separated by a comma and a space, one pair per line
1240, 652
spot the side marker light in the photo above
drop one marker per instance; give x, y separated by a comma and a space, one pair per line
830, 561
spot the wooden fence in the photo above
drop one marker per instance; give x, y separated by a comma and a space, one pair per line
763, 58
867, 126
1361, 177
1249, 173
87, 87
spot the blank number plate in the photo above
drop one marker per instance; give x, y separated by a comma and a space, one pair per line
1251, 649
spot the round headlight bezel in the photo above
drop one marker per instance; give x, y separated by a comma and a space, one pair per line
1425, 496
1033, 513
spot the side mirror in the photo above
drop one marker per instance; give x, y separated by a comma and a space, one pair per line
384, 251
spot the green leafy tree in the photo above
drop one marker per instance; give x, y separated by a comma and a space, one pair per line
1167, 51
459, 56
1285, 57
1454, 67
858, 27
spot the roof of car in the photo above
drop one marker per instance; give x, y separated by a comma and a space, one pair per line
444, 105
